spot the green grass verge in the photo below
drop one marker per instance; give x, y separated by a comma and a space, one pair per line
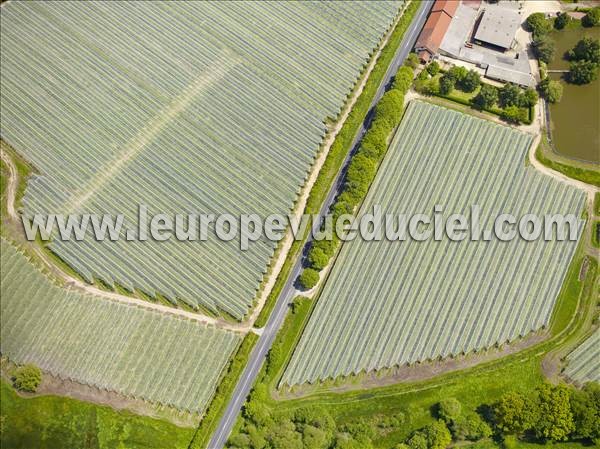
48, 422
596, 234
224, 391
597, 203
474, 387
339, 149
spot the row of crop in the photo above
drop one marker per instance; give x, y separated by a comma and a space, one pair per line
109, 82
133, 351
407, 301
361, 170
584, 363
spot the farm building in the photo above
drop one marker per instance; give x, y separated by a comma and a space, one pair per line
435, 29
498, 27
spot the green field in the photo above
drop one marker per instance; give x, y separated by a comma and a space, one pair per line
136, 352
394, 303
52, 422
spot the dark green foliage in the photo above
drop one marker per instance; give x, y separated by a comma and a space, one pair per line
447, 84
592, 18
551, 90
562, 20
486, 98
583, 72
27, 378
309, 278
317, 258
544, 48
457, 73
449, 409
538, 24
587, 49
509, 95
585, 405
412, 61
529, 98
470, 81
433, 68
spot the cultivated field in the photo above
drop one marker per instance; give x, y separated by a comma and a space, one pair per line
584, 363
129, 350
388, 304
224, 112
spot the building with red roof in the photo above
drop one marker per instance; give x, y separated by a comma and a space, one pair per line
435, 28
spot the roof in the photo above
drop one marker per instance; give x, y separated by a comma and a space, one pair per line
459, 30
447, 6
433, 32
498, 26
504, 73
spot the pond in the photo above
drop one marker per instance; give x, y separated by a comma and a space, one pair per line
576, 119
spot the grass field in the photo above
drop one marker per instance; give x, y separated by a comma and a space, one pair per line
52, 422
187, 118
132, 351
404, 302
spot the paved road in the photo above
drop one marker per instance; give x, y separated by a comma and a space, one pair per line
288, 292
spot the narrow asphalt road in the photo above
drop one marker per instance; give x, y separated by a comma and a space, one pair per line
288, 292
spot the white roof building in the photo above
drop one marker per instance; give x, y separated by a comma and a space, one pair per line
498, 27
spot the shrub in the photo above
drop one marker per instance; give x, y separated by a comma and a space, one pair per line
583, 72
486, 98
551, 90
529, 98
561, 21
538, 24
470, 427
449, 409
317, 258
403, 79
390, 107
412, 61
447, 84
433, 68
543, 48
592, 18
514, 114
27, 378
509, 95
309, 278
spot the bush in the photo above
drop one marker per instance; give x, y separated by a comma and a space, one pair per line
403, 79
543, 48
412, 61
551, 90
562, 20
538, 24
514, 114
449, 409
592, 18
486, 98
317, 258
447, 84
27, 378
583, 72
529, 98
309, 278
587, 49
470, 427
433, 68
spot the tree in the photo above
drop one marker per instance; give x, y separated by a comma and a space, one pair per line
418, 440
457, 73
390, 107
447, 84
529, 97
555, 419
514, 114
470, 427
309, 278
403, 79
509, 95
433, 68
585, 405
562, 20
543, 48
486, 97
412, 60
470, 81
27, 378
449, 409
583, 72
317, 258
515, 413
551, 90
587, 49
538, 24
327, 246
437, 434
592, 18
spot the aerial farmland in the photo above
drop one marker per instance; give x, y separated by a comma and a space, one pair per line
115, 107
408, 302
